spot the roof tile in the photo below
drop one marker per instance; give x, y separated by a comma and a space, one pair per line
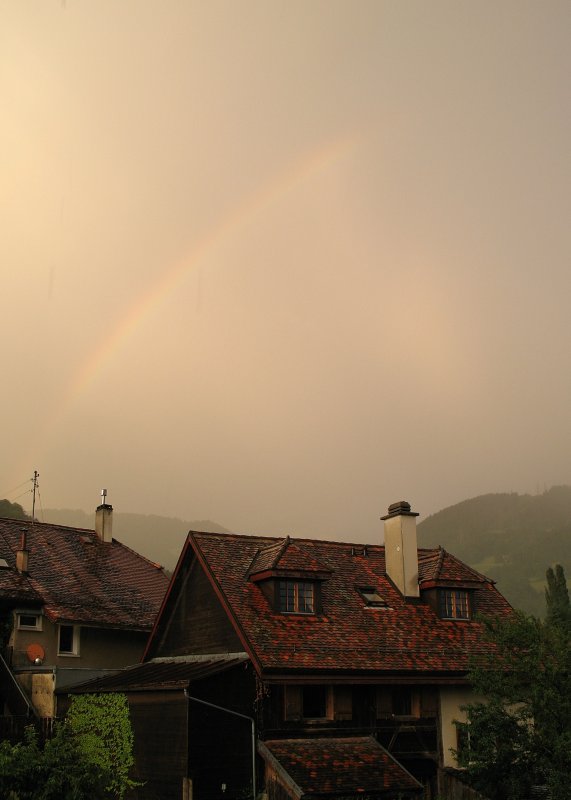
79, 579
407, 635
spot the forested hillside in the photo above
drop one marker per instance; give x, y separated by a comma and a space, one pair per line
511, 538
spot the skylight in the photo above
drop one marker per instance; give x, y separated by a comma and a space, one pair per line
372, 597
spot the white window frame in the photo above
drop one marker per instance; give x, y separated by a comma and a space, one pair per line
75, 640
22, 627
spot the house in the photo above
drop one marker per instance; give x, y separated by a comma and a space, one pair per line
342, 666
74, 603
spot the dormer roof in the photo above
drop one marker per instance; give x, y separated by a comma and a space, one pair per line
439, 568
286, 559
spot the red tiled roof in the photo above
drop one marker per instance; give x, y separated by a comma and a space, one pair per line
347, 636
286, 557
347, 766
442, 568
77, 578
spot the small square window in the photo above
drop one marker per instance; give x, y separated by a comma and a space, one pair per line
29, 622
454, 604
68, 644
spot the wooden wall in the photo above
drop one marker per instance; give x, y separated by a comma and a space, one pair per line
198, 623
160, 730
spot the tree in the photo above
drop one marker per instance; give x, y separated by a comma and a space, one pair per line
520, 736
88, 758
10, 510
557, 598
56, 772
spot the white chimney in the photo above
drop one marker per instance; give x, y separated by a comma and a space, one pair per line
401, 550
104, 519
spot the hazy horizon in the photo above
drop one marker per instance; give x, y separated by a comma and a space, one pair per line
280, 265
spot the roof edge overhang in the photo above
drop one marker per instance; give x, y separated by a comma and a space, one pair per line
282, 773
451, 583
106, 626
240, 632
302, 574
166, 598
364, 678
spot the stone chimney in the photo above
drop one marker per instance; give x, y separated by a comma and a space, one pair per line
104, 520
401, 550
22, 555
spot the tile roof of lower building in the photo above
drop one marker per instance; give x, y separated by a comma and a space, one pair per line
76, 578
166, 674
331, 766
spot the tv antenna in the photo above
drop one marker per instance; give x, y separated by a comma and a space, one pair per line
34, 490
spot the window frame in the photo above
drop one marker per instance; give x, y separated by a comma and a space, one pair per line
455, 604
371, 597
335, 707
23, 627
75, 640
302, 598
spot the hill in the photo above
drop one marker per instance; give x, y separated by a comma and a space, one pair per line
511, 538
158, 538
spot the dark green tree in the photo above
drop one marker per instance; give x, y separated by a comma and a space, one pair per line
10, 510
520, 736
557, 598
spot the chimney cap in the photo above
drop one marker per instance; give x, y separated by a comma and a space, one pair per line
400, 508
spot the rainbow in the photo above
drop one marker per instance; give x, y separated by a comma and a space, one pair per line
110, 345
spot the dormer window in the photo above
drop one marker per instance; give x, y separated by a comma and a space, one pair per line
29, 621
454, 604
296, 597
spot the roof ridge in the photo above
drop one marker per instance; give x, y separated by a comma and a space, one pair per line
441, 554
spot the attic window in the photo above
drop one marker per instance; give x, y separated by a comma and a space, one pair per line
296, 597
371, 597
29, 622
454, 604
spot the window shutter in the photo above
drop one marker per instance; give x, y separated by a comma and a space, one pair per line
384, 702
343, 702
292, 698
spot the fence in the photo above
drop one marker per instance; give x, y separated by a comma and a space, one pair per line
12, 728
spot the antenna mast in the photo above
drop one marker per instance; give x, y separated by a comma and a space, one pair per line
35, 484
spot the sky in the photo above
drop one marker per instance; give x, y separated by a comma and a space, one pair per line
279, 264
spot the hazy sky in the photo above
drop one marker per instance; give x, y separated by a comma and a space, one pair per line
279, 263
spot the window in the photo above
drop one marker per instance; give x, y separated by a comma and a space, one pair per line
454, 604
68, 640
371, 597
312, 703
296, 597
29, 622
307, 703
398, 701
